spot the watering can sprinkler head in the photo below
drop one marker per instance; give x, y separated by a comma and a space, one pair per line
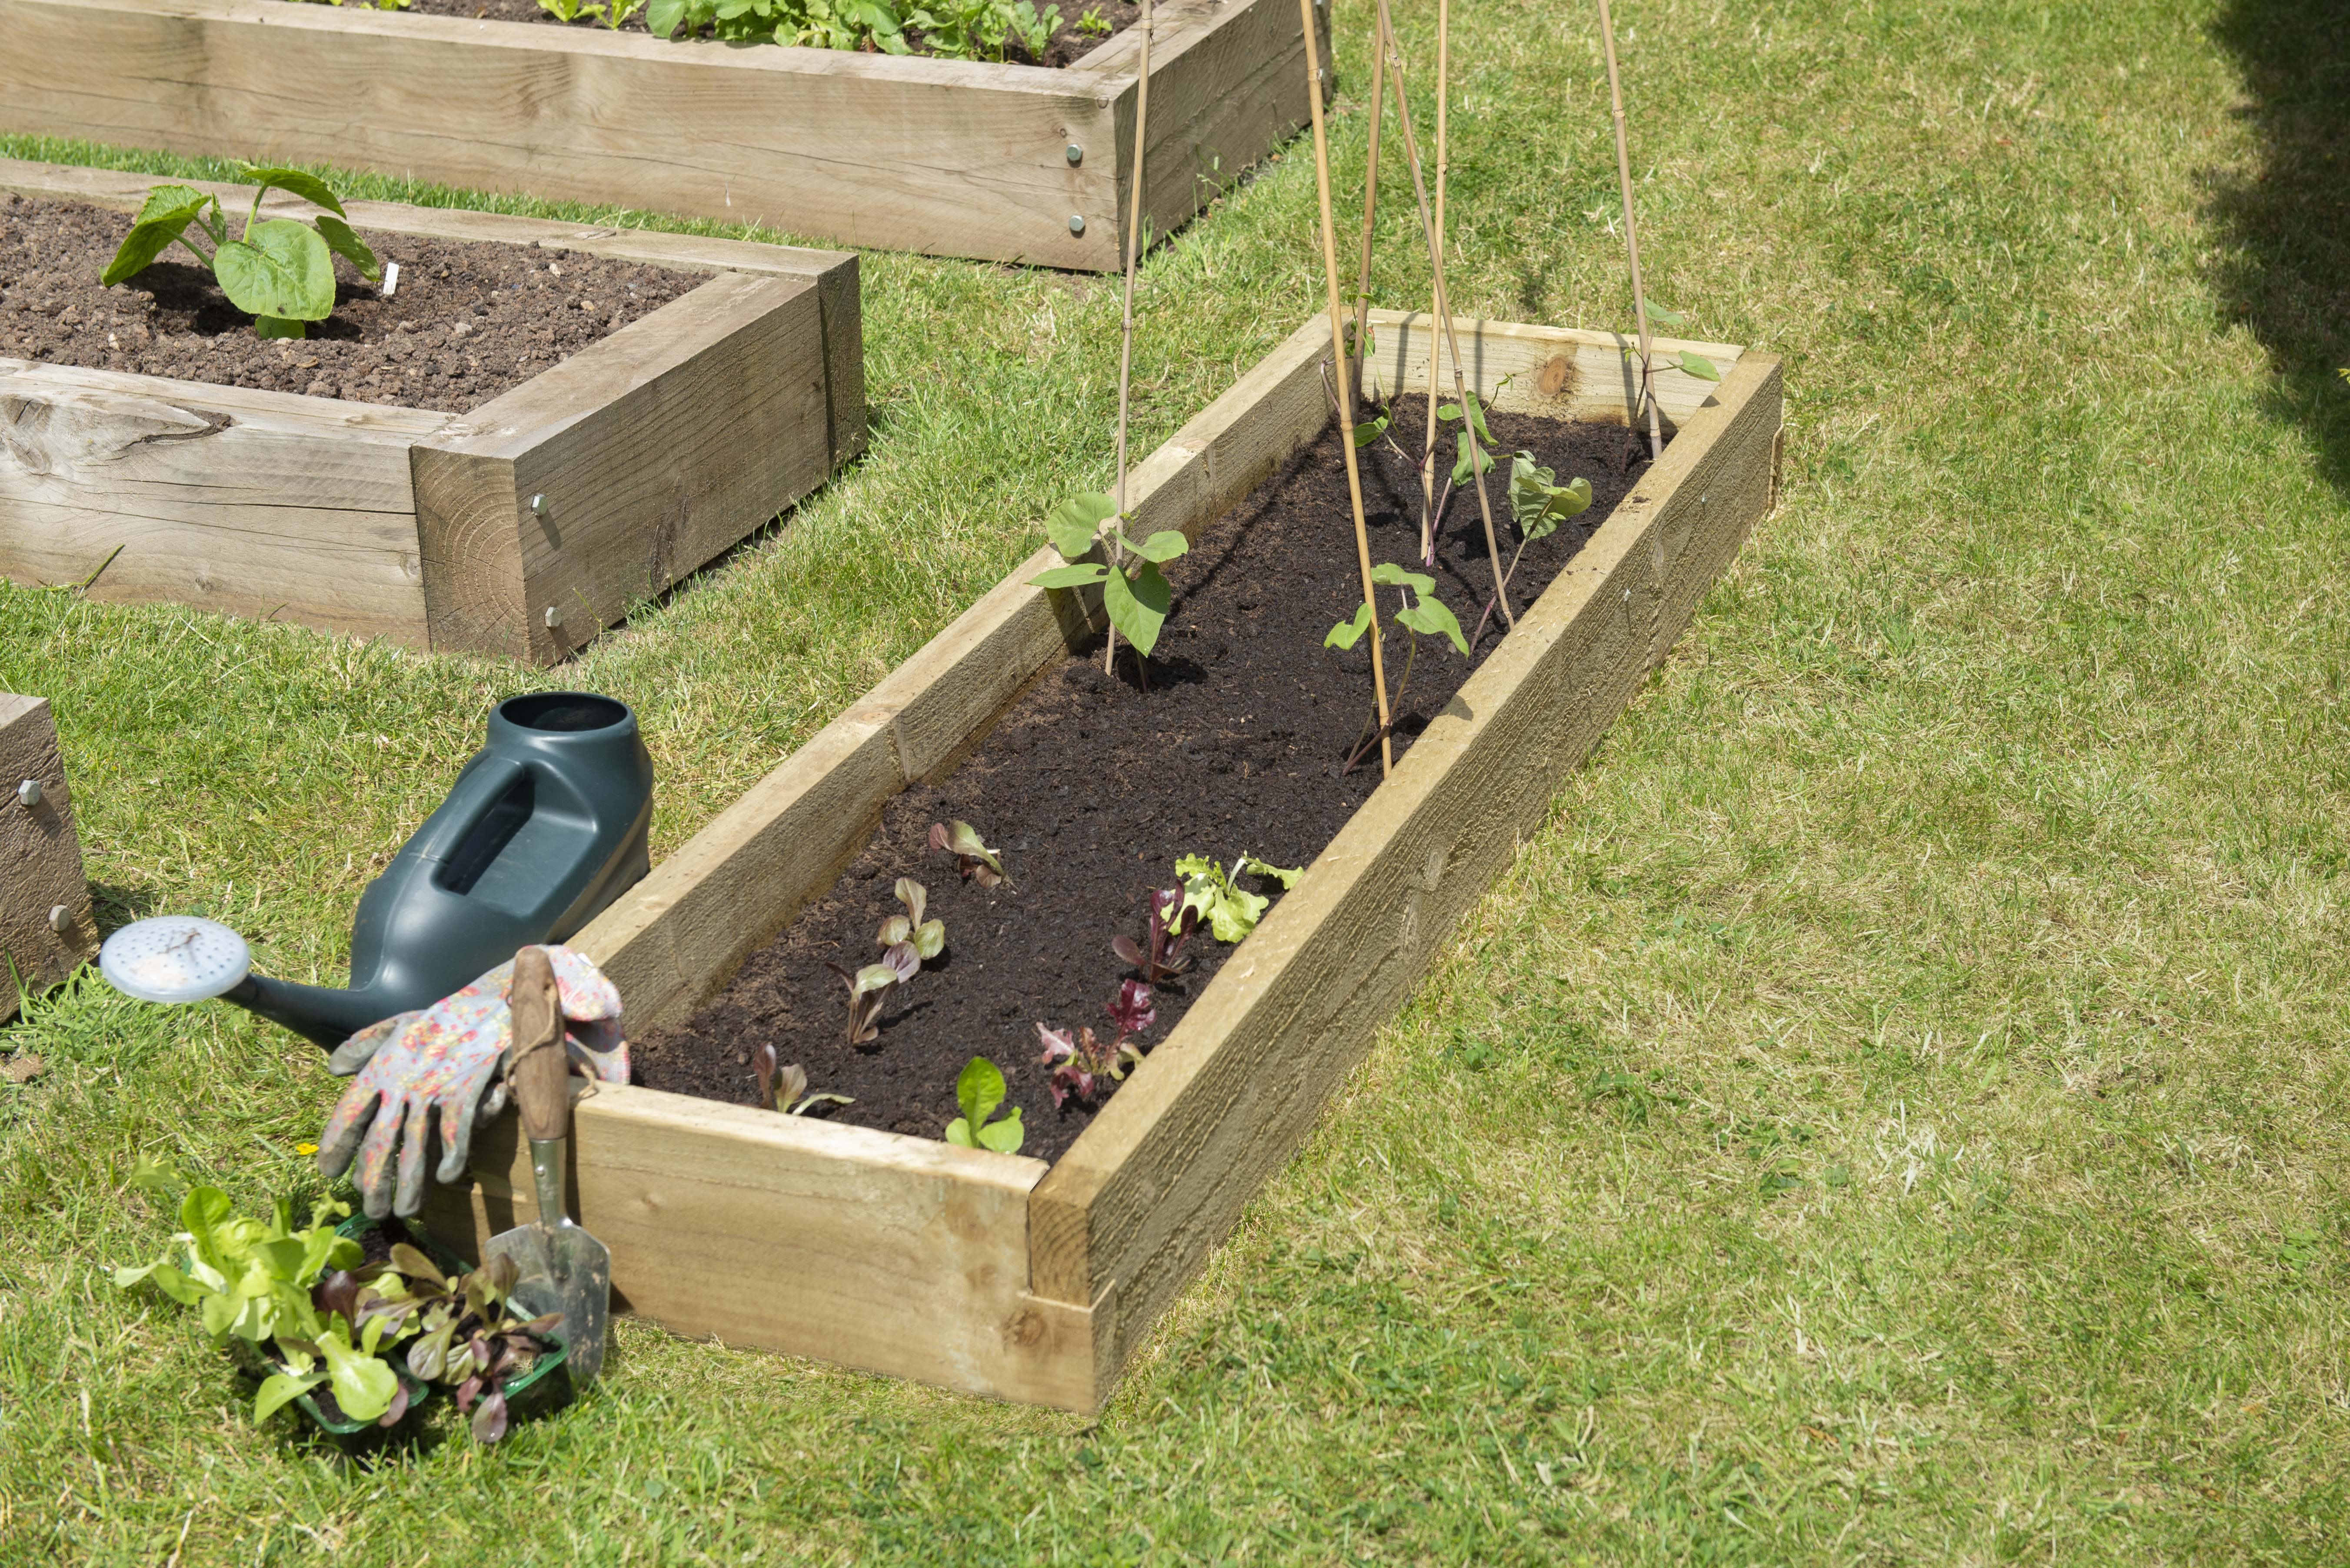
546, 825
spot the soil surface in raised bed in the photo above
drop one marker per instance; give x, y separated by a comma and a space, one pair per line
1066, 46
1091, 788
467, 321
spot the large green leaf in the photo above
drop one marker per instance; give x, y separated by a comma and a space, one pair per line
363, 1384
344, 242
1387, 572
662, 16
280, 268
1077, 576
309, 187
1163, 546
1347, 633
1695, 364
168, 211
1072, 524
1428, 614
1536, 504
282, 1388
1138, 608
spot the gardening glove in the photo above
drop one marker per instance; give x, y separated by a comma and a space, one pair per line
442, 1062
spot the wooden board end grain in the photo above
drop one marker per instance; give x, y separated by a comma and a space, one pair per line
45, 926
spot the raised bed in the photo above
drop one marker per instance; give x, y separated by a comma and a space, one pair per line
1006, 162
995, 1274
654, 451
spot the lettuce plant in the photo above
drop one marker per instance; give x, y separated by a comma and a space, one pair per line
979, 1089
785, 1088
869, 987
813, 24
982, 29
973, 858
282, 272
470, 1334
1171, 923
1133, 592
1080, 1061
614, 16
925, 938
1231, 912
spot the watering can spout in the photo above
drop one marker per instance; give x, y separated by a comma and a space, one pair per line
546, 825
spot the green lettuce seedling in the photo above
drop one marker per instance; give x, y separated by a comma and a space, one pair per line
1231, 912
979, 1089
614, 16
1133, 592
812, 24
282, 272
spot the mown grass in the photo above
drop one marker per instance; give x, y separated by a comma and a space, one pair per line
1891, 1114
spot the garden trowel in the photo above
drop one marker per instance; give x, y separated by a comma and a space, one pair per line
561, 1268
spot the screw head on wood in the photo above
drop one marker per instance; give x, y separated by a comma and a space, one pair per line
539, 505
1076, 154
1077, 222
61, 919
554, 618
28, 793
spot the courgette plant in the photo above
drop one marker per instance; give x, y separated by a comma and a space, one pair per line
281, 272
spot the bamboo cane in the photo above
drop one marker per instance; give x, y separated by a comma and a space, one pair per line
1370, 210
1338, 352
1631, 237
1126, 347
1443, 314
1429, 511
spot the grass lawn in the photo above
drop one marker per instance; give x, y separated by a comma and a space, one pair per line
1893, 1113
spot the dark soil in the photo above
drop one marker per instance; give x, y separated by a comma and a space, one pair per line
1091, 789
1067, 44
468, 320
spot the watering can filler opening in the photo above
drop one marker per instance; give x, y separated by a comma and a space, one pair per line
544, 827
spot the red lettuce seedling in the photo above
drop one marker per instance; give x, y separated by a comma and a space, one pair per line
974, 858
1080, 1061
1170, 928
869, 987
786, 1088
925, 938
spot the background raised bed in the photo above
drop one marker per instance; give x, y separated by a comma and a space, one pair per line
952, 157
654, 450
803, 1236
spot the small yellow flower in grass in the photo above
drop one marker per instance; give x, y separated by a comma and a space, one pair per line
305, 1148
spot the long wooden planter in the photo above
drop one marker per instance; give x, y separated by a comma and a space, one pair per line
992, 1272
1005, 163
650, 453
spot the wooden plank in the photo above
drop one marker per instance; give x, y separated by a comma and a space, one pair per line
1159, 1178
902, 1255
1561, 372
654, 450
923, 154
229, 499
45, 926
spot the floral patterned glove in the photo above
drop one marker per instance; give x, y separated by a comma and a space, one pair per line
440, 1064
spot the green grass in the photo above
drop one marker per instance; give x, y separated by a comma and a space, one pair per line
1891, 1114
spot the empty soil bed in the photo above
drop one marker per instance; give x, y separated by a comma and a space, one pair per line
1067, 45
1091, 788
467, 321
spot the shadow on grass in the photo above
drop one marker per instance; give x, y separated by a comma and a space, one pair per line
2285, 265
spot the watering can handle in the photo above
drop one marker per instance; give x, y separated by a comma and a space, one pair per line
479, 788
541, 1072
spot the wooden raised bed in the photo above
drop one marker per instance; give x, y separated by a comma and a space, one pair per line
904, 152
46, 927
992, 1272
655, 449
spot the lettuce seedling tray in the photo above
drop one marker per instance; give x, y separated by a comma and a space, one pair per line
1005, 163
997, 1273
522, 528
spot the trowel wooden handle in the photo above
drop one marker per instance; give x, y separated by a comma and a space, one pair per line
542, 1075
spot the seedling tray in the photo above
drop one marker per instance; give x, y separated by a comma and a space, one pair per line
995, 1274
653, 450
1005, 163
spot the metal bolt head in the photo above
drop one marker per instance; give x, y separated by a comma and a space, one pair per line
554, 618
539, 505
28, 793
1077, 155
61, 919
1077, 222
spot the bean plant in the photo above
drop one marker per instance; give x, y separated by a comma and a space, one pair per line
1422, 612
1133, 592
282, 272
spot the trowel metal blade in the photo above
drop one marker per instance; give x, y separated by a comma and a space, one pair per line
562, 1268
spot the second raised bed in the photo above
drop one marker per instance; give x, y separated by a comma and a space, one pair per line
996, 1273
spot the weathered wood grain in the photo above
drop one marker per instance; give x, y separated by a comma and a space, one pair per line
45, 926
1162, 1173
911, 154
246, 503
735, 1223
1562, 373
651, 451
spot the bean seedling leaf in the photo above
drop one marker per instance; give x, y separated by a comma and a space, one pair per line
1347, 633
1072, 524
1698, 365
1365, 434
1659, 313
1163, 546
1537, 503
1429, 613
1137, 606
1077, 576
